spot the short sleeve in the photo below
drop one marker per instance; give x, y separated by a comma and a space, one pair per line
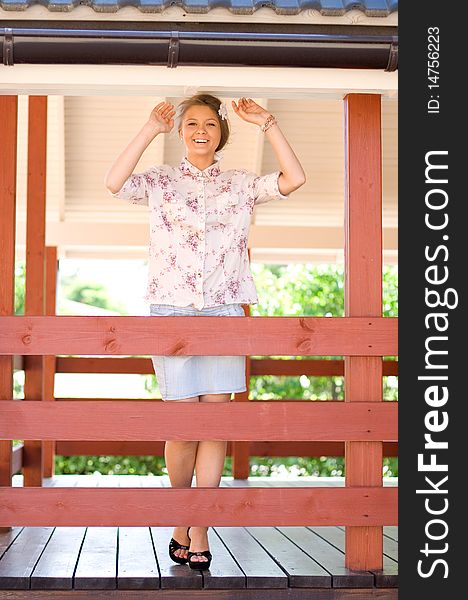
263, 188
137, 188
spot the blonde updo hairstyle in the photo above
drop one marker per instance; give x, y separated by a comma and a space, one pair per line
204, 100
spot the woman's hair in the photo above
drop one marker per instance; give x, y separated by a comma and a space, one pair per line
204, 100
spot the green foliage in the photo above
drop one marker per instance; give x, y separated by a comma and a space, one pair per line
260, 466
297, 289
110, 465
92, 293
72, 288
20, 284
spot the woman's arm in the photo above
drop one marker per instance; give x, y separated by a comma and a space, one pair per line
123, 166
292, 174
160, 121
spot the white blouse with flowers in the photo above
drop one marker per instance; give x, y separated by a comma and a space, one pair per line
199, 226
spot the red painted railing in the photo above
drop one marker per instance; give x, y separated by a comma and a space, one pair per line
362, 422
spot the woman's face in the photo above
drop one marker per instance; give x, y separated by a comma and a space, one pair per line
200, 123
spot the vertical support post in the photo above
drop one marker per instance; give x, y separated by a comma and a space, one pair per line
363, 298
35, 267
9, 137
50, 361
241, 450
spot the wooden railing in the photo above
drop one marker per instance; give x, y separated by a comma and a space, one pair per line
363, 422
139, 420
143, 366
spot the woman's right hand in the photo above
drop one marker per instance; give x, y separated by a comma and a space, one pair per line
162, 117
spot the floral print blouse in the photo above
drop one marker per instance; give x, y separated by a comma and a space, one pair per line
199, 227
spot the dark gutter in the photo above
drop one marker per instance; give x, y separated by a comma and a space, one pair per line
201, 44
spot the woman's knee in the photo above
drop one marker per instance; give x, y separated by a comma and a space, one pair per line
182, 445
191, 399
215, 397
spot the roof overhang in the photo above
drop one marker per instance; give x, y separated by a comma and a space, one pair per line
199, 44
333, 12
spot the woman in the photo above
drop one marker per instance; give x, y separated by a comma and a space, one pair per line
199, 266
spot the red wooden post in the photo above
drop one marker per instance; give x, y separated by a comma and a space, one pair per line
35, 261
9, 137
363, 298
50, 360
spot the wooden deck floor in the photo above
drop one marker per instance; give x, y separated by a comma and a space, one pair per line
132, 562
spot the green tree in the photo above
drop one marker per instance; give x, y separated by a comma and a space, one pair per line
73, 287
20, 272
89, 292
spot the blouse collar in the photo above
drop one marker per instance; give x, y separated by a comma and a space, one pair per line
187, 168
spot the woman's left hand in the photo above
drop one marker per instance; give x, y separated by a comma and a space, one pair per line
250, 111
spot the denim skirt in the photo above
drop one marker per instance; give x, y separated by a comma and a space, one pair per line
187, 376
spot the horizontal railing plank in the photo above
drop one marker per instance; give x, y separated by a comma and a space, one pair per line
258, 366
237, 421
197, 506
296, 336
309, 366
251, 401
70, 448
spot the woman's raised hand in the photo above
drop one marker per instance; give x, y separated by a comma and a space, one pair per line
162, 117
250, 111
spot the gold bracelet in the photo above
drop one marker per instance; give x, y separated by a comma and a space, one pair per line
268, 123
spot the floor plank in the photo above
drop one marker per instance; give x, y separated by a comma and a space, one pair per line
137, 568
260, 570
224, 572
328, 557
386, 577
8, 537
18, 561
55, 568
173, 575
97, 567
390, 544
247, 594
301, 570
391, 531
390, 548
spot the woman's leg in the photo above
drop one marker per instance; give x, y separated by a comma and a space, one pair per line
208, 468
180, 462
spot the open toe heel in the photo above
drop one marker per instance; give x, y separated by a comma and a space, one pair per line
173, 546
200, 564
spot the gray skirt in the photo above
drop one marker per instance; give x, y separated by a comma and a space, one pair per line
182, 377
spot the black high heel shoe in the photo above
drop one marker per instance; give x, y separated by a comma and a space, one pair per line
199, 564
173, 546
